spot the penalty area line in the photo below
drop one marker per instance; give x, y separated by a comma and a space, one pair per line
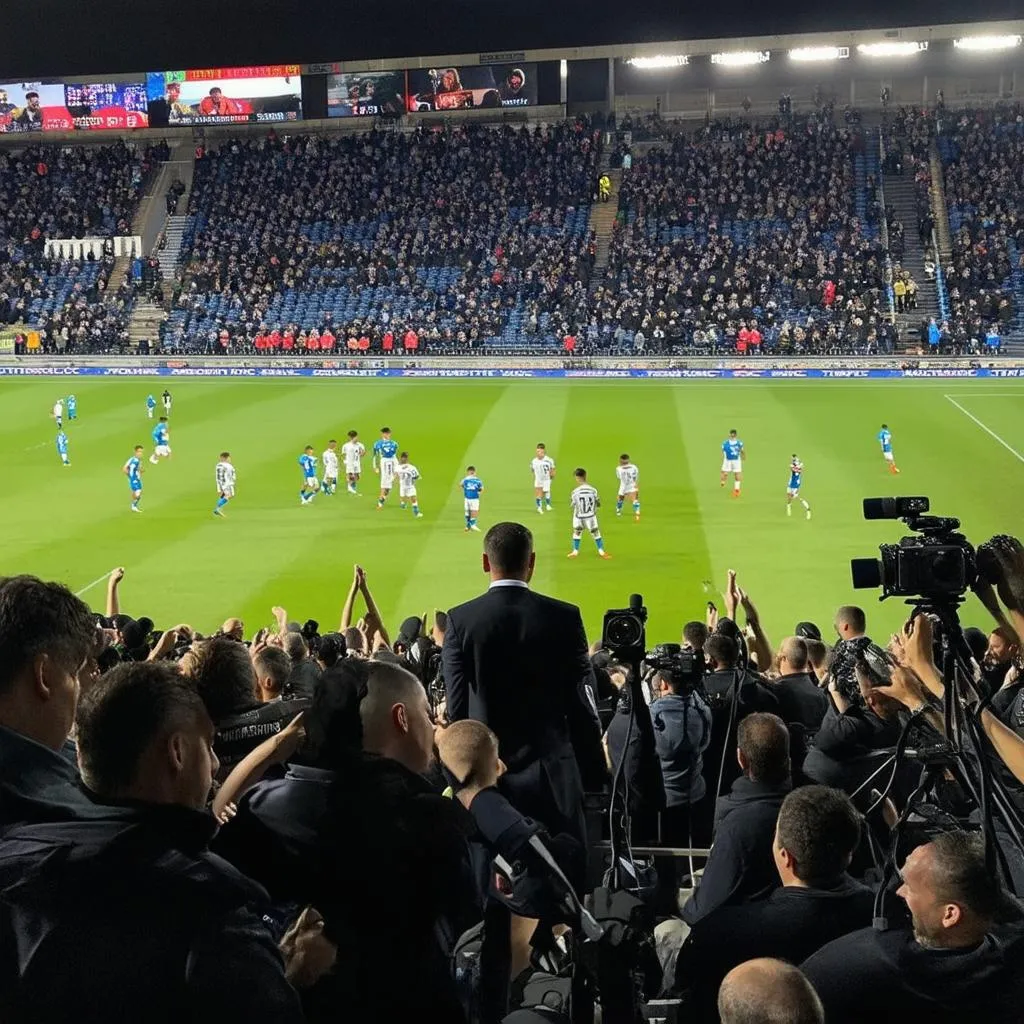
988, 430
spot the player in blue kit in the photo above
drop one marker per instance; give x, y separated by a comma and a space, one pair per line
732, 461
385, 463
472, 487
796, 475
161, 441
150, 405
62, 447
885, 440
310, 483
133, 470
72, 407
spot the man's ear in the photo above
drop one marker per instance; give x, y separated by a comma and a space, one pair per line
400, 718
487, 563
176, 750
531, 566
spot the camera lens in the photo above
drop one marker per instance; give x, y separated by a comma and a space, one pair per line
624, 631
866, 572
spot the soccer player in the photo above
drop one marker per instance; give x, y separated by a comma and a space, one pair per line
225, 483
585, 503
472, 487
72, 407
58, 413
310, 484
353, 451
166, 396
885, 440
62, 447
162, 441
732, 461
796, 475
408, 474
543, 467
384, 462
133, 470
629, 477
330, 459
150, 406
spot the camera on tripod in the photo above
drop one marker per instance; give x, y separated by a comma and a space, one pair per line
685, 668
624, 632
939, 564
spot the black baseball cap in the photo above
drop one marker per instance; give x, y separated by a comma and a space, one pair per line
808, 630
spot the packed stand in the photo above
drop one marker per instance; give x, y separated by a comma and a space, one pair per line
745, 239
49, 192
306, 810
983, 157
445, 240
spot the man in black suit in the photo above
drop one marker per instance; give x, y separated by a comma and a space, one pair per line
517, 661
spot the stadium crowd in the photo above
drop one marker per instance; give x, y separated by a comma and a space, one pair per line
983, 157
59, 194
301, 826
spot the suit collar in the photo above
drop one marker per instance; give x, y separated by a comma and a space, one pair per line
501, 584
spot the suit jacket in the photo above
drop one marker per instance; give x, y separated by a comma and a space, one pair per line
517, 661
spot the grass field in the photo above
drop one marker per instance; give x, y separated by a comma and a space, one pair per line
74, 524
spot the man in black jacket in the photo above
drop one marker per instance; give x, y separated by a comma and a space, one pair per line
131, 917
46, 634
517, 661
800, 698
817, 832
740, 867
961, 960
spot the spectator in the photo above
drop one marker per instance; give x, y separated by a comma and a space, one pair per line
800, 698
958, 957
46, 635
199, 937
817, 832
225, 678
305, 671
273, 669
539, 709
768, 992
739, 868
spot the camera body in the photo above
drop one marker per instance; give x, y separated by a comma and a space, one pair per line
938, 563
624, 631
684, 667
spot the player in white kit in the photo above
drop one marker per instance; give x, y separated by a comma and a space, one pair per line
352, 451
585, 503
543, 467
629, 486
407, 475
330, 461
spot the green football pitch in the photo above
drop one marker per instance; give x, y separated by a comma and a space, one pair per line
958, 442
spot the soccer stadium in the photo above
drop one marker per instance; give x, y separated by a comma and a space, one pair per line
550, 513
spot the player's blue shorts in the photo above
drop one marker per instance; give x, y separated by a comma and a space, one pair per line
134, 484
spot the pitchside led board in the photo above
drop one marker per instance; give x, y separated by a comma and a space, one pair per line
50, 105
253, 95
471, 87
366, 94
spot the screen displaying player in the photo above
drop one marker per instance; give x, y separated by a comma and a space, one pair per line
224, 95
471, 86
366, 94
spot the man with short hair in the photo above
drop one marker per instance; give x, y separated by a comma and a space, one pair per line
305, 671
695, 635
740, 866
850, 622
46, 635
273, 669
800, 698
1001, 657
959, 960
815, 837
225, 679
517, 661
102, 914
766, 991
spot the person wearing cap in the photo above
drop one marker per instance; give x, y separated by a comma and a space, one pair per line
807, 630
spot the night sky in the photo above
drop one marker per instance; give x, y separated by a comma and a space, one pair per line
54, 37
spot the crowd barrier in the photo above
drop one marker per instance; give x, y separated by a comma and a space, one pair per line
506, 373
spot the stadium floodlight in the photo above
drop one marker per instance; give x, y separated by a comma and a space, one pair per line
819, 53
679, 60
741, 58
985, 44
893, 49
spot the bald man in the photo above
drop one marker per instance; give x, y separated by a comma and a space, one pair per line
800, 698
768, 992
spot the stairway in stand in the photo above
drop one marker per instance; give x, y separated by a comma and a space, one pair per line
168, 255
145, 323
602, 223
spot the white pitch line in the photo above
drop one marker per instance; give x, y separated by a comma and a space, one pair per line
89, 586
988, 430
